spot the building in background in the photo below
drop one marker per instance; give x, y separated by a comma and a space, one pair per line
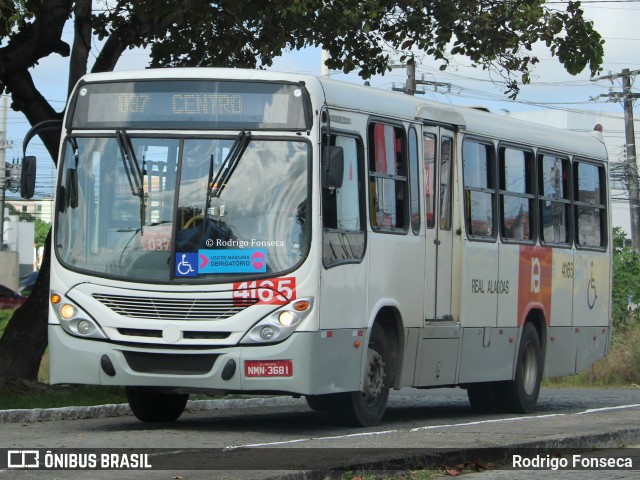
41, 209
19, 237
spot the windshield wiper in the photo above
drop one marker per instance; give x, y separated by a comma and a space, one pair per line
130, 163
217, 185
133, 171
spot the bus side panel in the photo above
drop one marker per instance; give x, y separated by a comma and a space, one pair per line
505, 287
480, 267
560, 359
343, 297
591, 289
437, 355
562, 291
592, 346
487, 354
396, 271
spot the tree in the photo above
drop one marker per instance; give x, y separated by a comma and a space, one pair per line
363, 35
626, 280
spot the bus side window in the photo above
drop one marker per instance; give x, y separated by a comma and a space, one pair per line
446, 154
387, 178
553, 188
516, 194
342, 208
590, 209
479, 189
429, 160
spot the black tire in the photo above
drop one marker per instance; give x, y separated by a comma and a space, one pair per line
521, 394
484, 397
152, 406
366, 408
320, 403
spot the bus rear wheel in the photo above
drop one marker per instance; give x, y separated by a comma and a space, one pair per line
521, 394
366, 408
153, 406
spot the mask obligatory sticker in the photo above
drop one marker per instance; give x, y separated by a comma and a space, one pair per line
232, 261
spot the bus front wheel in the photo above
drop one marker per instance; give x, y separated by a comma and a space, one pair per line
521, 394
366, 408
153, 406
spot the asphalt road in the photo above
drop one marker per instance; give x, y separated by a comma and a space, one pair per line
422, 427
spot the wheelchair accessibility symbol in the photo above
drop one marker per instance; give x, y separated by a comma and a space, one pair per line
186, 265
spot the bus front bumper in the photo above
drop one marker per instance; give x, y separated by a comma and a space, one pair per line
307, 363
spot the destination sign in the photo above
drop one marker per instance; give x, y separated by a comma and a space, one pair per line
194, 104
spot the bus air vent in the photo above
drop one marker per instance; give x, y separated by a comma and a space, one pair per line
172, 308
170, 364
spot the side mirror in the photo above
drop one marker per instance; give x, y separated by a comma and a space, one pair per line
28, 177
332, 167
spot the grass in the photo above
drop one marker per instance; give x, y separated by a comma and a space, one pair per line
621, 368
51, 396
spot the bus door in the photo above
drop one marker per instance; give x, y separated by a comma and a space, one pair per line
438, 157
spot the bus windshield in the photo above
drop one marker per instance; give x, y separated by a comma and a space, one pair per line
147, 209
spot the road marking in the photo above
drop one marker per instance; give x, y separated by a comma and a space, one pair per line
430, 427
604, 409
284, 442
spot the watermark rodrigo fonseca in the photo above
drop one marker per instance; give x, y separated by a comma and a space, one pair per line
606, 460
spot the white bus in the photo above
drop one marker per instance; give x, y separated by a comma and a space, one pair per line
225, 230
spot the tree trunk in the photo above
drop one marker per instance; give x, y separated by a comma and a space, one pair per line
25, 338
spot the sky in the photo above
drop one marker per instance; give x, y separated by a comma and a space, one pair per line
551, 88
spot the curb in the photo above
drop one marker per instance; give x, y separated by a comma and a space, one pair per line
122, 409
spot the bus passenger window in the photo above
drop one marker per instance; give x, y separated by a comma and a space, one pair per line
553, 189
342, 208
516, 194
387, 178
429, 160
590, 209
479, 189
446, 155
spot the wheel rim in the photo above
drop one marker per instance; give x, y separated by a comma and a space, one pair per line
374, 380
529, 369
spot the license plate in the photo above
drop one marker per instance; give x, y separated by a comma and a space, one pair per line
268, 368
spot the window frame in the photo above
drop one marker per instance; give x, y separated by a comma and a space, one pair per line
413, 163
445, 217
360, 153
492, 189
530, 191
602, 206
567, 199
402, 179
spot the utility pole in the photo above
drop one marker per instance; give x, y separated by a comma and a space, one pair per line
411, 85
632, 166
3, 180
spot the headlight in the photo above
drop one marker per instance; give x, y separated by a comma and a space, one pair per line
73, 320
280, 324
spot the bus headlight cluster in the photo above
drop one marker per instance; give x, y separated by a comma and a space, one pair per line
280, 324
73, 320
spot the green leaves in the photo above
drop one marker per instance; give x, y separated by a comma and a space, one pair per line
362, 35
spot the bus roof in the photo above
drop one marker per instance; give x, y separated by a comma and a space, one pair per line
370, 100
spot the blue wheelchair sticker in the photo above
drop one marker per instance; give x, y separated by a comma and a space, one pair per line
186, 265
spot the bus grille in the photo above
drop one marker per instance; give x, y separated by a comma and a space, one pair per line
170, 364
172, 308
